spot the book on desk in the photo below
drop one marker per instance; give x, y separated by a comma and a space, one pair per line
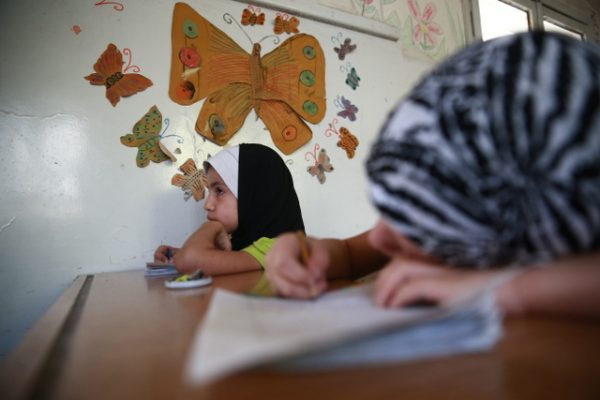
340, 329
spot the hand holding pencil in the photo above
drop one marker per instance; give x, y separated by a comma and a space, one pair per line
296, 266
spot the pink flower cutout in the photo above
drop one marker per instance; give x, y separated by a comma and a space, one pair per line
425, 29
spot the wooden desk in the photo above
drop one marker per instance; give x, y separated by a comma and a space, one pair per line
124, 336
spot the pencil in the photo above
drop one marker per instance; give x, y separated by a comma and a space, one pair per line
304, 258
303, 248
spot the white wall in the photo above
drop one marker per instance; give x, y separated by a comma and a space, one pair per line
73, 200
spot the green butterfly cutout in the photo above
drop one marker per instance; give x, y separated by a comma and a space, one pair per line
146, 137
352, 79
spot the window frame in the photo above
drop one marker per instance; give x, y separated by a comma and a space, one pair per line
558, 12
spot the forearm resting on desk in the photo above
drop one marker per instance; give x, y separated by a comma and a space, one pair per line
566, 287
209, 249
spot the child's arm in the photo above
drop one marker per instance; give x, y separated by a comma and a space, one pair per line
209, 249
329, 259
569, 287
566, 287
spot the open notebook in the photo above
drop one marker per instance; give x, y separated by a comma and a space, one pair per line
340, 329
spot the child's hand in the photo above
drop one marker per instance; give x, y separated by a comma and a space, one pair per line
288, 276
408, 281
164, 254
216, 235
222, 240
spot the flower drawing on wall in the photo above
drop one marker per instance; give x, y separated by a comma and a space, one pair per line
425, 30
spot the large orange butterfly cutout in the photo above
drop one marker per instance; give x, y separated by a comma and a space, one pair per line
284, 87
109, 73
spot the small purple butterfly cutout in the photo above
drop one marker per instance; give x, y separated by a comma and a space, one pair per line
349, 110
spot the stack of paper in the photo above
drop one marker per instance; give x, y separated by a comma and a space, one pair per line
342, 328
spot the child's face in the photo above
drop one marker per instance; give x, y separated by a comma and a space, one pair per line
220, 204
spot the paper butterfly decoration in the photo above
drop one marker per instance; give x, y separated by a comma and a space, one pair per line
348, 142
344, 49
146, 137
349, 110
284, 87
322, 165
193, 182
109, 72
352, 79
252, 16
285, 23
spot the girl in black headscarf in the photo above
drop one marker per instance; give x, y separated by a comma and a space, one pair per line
251, 199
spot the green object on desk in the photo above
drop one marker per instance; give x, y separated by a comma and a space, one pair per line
262, 288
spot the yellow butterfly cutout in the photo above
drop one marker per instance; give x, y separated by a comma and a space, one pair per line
146, 137
284, 87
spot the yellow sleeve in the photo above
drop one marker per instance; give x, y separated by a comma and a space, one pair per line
259, 249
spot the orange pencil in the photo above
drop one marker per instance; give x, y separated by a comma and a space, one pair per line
304, 258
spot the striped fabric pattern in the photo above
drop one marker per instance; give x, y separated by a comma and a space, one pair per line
494, 157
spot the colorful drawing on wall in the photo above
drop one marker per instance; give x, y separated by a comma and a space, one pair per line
285, 24
117, 6
284, 87
347, 140
352, 78
322, 163
192, 182
405, 15
252, 16
425, 29
146, 137
344, 48
349, 110
110, 73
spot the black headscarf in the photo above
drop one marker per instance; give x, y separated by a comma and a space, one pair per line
267, 201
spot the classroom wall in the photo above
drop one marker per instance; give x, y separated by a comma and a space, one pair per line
74, 201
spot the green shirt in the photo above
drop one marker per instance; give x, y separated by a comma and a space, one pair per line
259, 249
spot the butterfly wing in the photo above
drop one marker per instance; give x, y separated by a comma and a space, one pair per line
146, 138
248, 17
127, 85
108, 73
324, 161
278, 27
348, 142
295, 74
224, 112
193, 182
220, 60
287, 129
318, 172
108, 64
352, 79
292, 25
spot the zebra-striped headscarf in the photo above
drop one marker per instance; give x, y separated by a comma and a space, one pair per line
494, 157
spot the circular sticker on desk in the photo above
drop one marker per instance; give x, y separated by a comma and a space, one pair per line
195, 280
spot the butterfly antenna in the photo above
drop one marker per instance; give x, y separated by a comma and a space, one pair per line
276, 39
167, 121
228, 18
337, 39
